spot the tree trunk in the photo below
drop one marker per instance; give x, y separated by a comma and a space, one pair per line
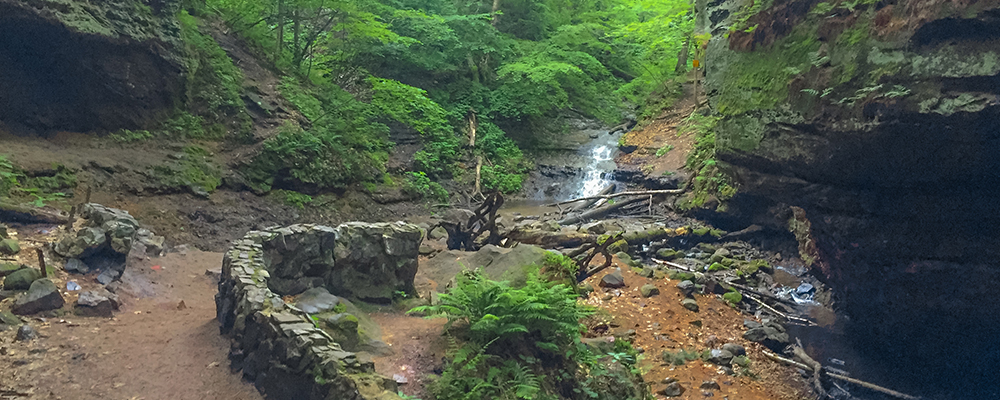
479, 167
495, 17
682, 57
296, 40
280, 42
473, 124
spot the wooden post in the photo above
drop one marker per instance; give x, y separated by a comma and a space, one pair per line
72, 216
41, 262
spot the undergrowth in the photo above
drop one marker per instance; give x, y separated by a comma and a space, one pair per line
523, 343
709, 180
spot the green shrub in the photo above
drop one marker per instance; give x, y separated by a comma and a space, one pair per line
294, 198
214, 83
418, 184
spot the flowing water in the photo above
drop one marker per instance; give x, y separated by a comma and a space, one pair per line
581, 163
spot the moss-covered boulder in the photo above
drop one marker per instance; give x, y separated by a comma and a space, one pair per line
21, 279
9, 247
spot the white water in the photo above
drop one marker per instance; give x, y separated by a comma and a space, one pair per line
599, 155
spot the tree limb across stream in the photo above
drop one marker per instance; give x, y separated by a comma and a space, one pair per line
619, 194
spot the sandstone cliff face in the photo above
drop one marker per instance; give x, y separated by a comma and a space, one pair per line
83, 66
879, 123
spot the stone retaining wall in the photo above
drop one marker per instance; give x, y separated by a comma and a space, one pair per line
277, 345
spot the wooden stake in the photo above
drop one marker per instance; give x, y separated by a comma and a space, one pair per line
41, 262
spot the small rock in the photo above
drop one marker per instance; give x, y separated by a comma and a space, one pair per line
607, 296
25, 333
107, 276
673, 389
586, 289
686, 287
596, 228
181, 305
648, 290
9, 247
719, 255
710, 385
627, 259
734, 348
613, 280
8, 318
804, 288
668, 380
21, 279
96, 303
667, 254
42, 296
438, 233
646, 272
742, 361
76, 265
720, 357
690, 304
696, 323
706, 393
215, 273
425, 250
400, 379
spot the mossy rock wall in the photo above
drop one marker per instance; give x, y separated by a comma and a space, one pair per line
88, 65
278, 346
878, 123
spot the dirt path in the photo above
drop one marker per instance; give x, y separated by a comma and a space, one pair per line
659, 135
151, 350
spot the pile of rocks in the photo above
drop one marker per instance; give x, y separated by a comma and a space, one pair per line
276, 344
111, 234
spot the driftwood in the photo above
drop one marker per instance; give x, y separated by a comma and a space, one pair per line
787, 317
594, 248
867, 385
814, 366
587, 203
463, 235
599, 212
28, 213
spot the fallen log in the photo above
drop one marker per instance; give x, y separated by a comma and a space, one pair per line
599, 212
587, 203
550, 240
619, 194
814, 366
867, 385
26, 213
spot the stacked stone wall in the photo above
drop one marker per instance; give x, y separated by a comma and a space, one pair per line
278, 346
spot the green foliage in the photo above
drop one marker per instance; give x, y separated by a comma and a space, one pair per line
680, 357
214, 84
664, 150
294, 198
732, 297
8, 176
129, 136
195, 171
710, 179
35, 190
522, 342
417, 183
343, 146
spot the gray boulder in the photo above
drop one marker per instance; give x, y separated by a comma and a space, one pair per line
25, 333
316, 300
21, 279
649, 290
613, 280
438, 233
87, 242
690, 304
734, 348
97, 303
672, 389
76, 265
42, 296
497, 263
720, 357
686, 287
